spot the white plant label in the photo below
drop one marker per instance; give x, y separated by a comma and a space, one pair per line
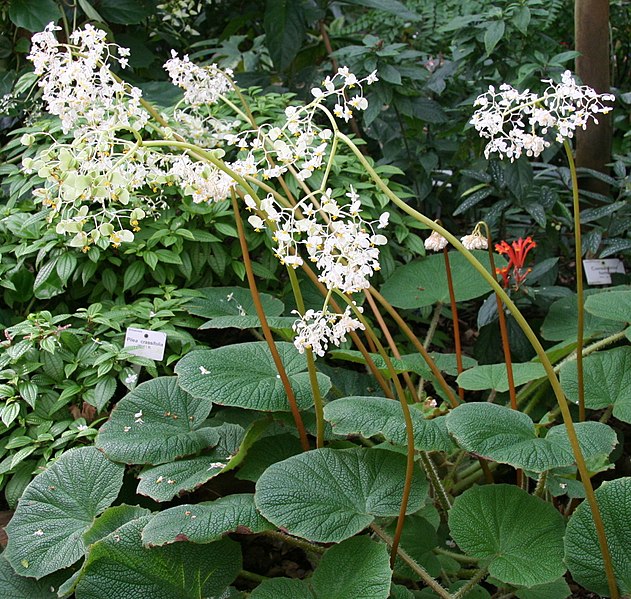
148, 344
598, 272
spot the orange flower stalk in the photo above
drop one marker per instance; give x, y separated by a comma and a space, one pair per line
516, 253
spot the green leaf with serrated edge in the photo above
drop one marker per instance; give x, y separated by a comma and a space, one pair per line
205, 522
493, 376
424, 282
369, 416
156, 423
13, 586
119, 566
216, 302
519, 536
165, 481
111, 519
369, 578
265, 452
611, 305
560, 322
582, 550
329, 495
45, 533
244, 375
509, 437
606, 381
558, 589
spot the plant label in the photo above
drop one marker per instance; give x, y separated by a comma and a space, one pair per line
148, 344
598, 272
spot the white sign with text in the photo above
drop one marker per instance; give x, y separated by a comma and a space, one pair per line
148, 344
598, 272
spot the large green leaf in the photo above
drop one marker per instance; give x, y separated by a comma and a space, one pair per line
13, 586
424, 282
493, 376
606, 381
126, 12
165, 481
369, 416
112, 518
611, 305
33, 15
245, 376
119, 566
509, 437
558, 589
233, 307
519, 536
329, 495
284, 23
45, 533
155, 423
560, 323
205, 522
265, 452
582, 550
369, 578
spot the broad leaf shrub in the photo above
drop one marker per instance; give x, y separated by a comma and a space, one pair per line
386, 460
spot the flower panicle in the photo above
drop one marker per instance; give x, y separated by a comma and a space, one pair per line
517, 123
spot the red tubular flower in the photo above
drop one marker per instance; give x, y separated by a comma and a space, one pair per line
516, 253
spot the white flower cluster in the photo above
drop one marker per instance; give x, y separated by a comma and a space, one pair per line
316, 329
475, 241
179, 14
299, 142
342, 244
202, 85
522, 122
78, 85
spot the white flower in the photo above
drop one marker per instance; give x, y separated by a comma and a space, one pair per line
518, 122
475, 241
436, 242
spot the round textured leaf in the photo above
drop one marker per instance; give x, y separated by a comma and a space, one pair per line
111, 519
275, 588
519, 536
329, 495
13, 586
205, 522
509, 437
424, 282
606, 381
582, 550
369, 416
165, 481
245, 376
155, 423
611, 305
45, 533
369, 577
493, 376
560, 322
119, 566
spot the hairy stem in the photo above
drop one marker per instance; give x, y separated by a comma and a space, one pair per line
454, 317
